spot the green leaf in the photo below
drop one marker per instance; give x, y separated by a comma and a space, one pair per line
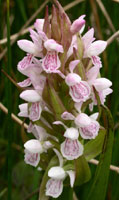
66, 194
83, 173
99, 186
53, 162
94, 147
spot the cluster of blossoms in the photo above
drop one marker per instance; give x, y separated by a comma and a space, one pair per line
62, 66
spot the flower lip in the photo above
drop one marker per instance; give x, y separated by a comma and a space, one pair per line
57, 173
71, 133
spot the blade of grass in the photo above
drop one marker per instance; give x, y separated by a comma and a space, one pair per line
8, 100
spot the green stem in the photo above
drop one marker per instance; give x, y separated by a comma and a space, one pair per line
9, 124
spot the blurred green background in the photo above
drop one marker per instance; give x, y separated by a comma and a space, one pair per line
26, 179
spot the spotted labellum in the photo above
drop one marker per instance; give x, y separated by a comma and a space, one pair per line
62, 88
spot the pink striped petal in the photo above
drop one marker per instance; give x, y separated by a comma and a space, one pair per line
51, 62
31, 158
71, 149
35, 111
54, 188
80, 91
24, 64
90, 131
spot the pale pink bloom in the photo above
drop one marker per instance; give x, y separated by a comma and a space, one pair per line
39, 24
57, 174
30, 96
71, 148
51, 62
31, 158
77, 24
88, 126
93, 49
25, 83
23, 110
54, 188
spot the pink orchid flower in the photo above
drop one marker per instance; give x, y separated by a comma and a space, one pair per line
57, 174
79, 90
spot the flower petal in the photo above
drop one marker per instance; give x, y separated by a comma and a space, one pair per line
94, 116
90, 131
35, 111
102, 84
71, 133
96, 48
92, 74
60, 123
25, 83
82, 120
51, 62
52, 45
30, 96
59, 157
31, 158
72, 79
27, 46
67, 116
71, 174
77, 24
39, 24
80, 91
73, 64
23, 65
54, 188
33, 146
88, 38
71, 149
23, 110
57, 173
